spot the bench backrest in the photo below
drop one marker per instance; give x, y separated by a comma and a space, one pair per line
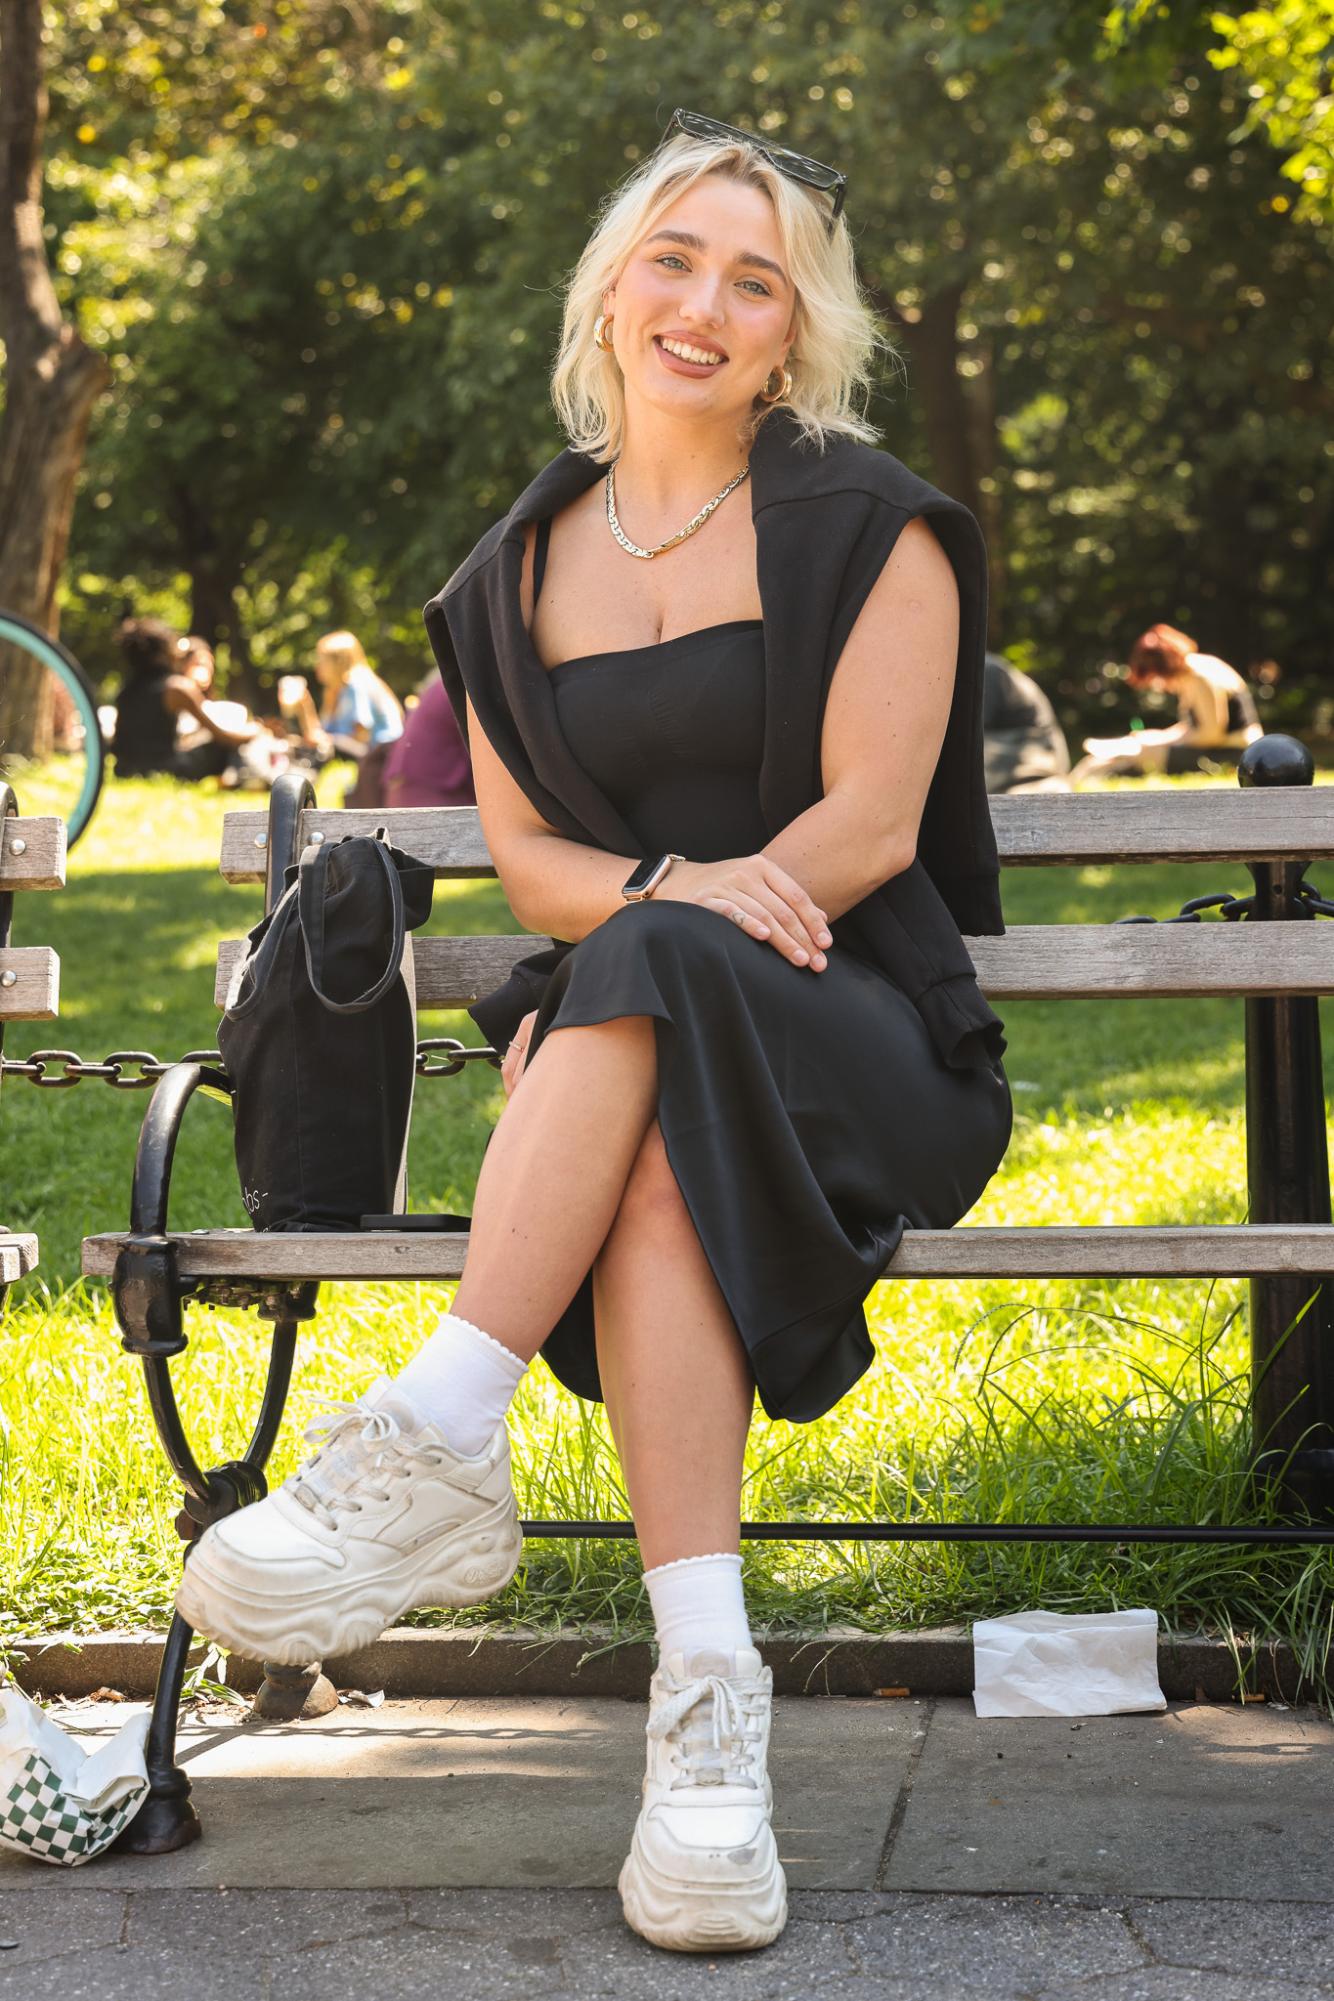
32, 856
1033, 830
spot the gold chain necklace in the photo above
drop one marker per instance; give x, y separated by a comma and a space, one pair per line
696, 520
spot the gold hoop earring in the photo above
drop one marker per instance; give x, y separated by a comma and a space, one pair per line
602, 332
783, 391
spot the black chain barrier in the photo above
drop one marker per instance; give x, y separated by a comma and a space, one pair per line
139, 1069
1234, 908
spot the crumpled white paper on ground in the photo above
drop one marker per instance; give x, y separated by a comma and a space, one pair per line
1067, 1664
58, 1802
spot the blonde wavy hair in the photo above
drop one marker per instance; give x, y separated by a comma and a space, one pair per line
837, 335
343, 651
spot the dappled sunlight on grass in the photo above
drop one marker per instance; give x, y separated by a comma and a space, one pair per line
1147, 1167
985, 1403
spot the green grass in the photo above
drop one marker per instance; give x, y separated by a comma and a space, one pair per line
1003, 1401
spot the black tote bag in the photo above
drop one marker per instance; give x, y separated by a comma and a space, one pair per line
319, 1037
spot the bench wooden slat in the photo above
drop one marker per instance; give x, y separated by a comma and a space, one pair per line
1219, 824
1031, 961
17, 1256
34, 994
1239, 1250
1085, 961
448, 837
41, 862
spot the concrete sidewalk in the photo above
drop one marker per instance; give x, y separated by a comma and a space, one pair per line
470, 1848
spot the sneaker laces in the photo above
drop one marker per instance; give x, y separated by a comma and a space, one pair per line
345, 1434
715, 1728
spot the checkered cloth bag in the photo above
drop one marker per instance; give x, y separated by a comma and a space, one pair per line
57, 1803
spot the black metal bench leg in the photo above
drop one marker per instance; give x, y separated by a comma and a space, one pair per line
148, 1305
166, 1820
1287, 1162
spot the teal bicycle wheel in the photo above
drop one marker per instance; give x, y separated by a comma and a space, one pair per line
66, 778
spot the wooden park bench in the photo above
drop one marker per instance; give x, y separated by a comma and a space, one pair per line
1276, 961
32, 856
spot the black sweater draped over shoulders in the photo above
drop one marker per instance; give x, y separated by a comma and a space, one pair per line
825, 524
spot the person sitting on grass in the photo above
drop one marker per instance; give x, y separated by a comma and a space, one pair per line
157, 697
1217, 713
1024, 745
359, 716
262, 756
429, 765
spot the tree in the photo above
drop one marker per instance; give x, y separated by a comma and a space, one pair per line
323, 246
53, 379
1286, 52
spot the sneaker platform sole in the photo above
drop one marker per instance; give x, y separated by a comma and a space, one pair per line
467, 1567
709, 1918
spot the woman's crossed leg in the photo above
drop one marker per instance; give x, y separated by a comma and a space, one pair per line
409, 1501
575, 1177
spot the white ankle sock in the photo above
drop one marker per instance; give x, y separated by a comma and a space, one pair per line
464, 1382
697, 1603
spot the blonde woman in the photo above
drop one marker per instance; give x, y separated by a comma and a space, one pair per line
359, 715
720, 667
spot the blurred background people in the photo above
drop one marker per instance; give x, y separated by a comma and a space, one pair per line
1024, 747
1216, 710
429, 765
261, 756
158, 696
359, 716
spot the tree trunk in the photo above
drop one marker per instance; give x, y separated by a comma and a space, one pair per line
959, 418
52, 378
979, 394
27, 710
215, 577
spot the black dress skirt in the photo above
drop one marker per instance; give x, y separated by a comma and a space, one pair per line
806, 1116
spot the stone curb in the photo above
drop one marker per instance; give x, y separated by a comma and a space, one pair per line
410, 1661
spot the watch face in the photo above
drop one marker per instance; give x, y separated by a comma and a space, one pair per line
642, 876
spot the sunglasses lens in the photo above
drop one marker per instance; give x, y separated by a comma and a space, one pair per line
700, 127
814, 172
797, 163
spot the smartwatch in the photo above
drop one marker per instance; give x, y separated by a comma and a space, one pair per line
640, 885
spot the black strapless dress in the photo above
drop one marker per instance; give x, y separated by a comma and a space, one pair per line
806, 1116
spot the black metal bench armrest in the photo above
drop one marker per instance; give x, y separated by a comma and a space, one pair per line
146, 1288
148, 1293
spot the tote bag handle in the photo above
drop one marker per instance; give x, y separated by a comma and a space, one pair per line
310, 907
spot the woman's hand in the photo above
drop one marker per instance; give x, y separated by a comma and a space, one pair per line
511, 1068
760, 898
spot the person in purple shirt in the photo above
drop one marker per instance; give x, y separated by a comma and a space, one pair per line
429, 765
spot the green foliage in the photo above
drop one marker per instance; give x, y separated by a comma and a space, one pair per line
324, 246
1286, 53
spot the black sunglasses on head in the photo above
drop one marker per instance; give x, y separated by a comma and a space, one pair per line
797, 167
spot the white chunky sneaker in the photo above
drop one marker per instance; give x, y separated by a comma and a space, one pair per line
385, 1516
703, 1873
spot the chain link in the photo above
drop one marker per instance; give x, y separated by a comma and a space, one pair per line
1318, 905
1236, 908
139, 1069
